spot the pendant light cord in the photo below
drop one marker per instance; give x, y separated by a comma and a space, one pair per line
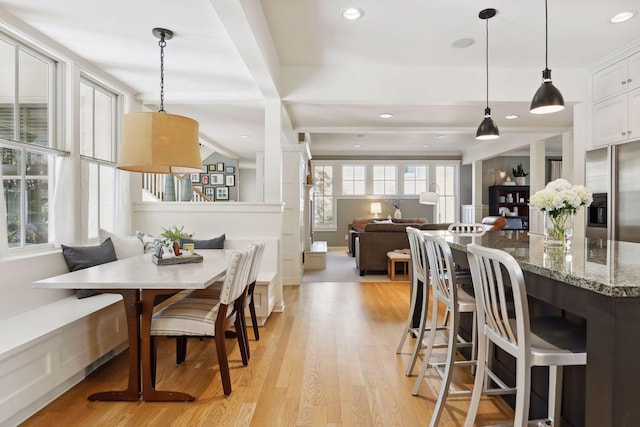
546, 36
487, 56
162, 43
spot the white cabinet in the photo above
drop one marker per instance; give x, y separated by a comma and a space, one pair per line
617, 119
617, 78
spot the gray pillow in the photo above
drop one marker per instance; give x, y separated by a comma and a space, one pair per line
81, 257
215, 243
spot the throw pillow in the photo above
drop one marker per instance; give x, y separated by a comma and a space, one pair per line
81, 257
125, 247
215, 243
382, 221
149, 241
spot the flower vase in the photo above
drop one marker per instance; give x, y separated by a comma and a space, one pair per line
397, 214
558, 227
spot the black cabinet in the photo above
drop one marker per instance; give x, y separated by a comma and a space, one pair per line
512, 202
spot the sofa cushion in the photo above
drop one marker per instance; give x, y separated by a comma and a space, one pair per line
388, 228
215, 243
494, 223
81, 257
125, 247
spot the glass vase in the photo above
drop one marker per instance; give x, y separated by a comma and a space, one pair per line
558, 227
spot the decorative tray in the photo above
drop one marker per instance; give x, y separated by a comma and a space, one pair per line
177, 260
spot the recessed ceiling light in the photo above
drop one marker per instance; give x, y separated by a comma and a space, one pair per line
511, 116
462, 43
245, 136
426, 146
623, 16
385, 115
356, 145
352, 13
441, 136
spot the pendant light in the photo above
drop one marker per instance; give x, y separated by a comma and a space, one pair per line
548, 98
488, 128
160, 142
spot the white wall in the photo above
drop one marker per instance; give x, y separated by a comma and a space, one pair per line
248, 189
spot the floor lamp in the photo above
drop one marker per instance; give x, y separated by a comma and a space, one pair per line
430, 198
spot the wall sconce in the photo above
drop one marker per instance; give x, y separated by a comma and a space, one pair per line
376, 208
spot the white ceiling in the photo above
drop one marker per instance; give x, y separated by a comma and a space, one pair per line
334, 76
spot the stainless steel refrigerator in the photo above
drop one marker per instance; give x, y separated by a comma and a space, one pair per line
614, 172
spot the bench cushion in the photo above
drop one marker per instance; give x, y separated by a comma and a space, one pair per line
81, 257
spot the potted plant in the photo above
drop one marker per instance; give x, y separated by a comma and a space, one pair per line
519, 174
397, 214
173, 235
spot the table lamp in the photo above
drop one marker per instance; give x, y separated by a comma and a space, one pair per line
376, 208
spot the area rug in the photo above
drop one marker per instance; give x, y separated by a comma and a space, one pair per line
341, 267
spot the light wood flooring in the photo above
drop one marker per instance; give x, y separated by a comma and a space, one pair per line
328, 360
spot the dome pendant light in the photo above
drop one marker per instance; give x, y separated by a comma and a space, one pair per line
160, 142
548, 98
488, 128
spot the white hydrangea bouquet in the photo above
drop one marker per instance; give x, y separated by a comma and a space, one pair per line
560, 200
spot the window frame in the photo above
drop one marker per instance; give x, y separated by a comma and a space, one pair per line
353, 181
324, 225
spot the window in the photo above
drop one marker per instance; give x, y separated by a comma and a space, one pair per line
354, 178
446, 180
384, 179
323, 212
415, 179
26, 116
98, 150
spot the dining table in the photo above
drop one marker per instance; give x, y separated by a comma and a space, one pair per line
597, 282
143, 284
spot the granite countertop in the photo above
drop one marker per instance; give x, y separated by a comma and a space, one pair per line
607, 267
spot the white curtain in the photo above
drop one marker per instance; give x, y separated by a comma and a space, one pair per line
555, 169
124, 203
63, 209
4, 242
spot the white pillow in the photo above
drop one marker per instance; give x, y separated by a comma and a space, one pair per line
149, 242
125, 247
382, 221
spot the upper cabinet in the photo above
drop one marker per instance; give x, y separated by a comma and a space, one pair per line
616, 79
616, 102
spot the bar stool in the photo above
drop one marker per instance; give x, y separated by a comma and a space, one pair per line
419, 281
549, 341
445, 289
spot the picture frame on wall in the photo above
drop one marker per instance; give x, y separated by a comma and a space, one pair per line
204, 179
222, 193
229, 169
212, 168
230, 181
205, 169
220, 167
195, 177
217, 179
209, 192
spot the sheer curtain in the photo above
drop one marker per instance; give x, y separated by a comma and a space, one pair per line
4, 241
64, 212
555, 169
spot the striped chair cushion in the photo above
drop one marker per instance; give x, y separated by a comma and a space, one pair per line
189, 316
211, 291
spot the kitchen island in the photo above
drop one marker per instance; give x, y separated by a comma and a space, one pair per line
597, 283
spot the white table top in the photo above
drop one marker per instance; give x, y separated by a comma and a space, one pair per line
140, 272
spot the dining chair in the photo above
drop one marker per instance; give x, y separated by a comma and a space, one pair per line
445, 290
213, 291
207, 317
544, 341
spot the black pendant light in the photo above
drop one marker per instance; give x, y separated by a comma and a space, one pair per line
548, 98
488, 128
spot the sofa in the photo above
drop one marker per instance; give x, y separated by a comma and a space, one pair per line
373, 243
358, 224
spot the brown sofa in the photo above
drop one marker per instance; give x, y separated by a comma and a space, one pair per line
372, 244
358, 224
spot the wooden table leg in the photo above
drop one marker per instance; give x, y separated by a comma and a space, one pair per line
149, 393
131, 299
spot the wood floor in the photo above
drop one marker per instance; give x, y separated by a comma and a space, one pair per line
328, 360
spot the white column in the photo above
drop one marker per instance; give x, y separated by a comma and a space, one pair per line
537, 182
476, 190
577, 141
273, 150
260, 176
